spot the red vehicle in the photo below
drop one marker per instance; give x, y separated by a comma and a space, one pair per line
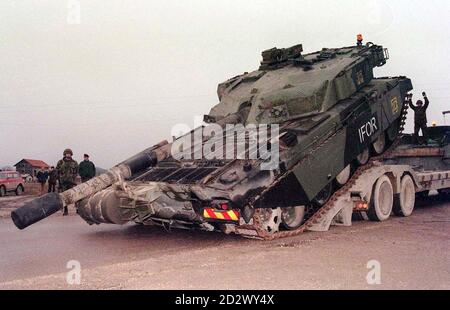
11, 181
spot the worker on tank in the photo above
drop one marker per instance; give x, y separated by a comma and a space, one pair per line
359, 40
420, 116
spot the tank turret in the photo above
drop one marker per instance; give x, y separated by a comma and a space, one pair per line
289, 85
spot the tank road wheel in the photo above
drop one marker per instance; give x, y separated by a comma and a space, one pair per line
271, 220
324, 195
292, 217
382, 200
404, 202
343, 177
380, 144
363, 158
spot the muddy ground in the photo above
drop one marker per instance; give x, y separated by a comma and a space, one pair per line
413, 254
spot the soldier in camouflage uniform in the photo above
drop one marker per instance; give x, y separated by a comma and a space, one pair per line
420, 117
67, 171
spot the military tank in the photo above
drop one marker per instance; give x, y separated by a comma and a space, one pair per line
316, 117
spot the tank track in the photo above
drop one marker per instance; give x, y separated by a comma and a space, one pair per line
256, 230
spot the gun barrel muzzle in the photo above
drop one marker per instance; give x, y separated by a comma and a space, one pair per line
36, 210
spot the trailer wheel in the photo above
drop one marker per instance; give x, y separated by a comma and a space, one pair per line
404, 202
292, 217
382, 200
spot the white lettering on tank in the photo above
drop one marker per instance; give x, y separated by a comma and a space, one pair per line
368, 129
374, 123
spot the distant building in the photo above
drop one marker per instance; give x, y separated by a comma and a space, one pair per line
30, 166
7, 168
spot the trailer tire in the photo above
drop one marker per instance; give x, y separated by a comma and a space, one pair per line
382, 201
405, 200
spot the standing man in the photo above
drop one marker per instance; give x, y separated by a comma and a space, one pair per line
87, 169
420, 117
42, 177
52, 178
67, 171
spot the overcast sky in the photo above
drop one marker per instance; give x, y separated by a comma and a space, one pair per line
116, 80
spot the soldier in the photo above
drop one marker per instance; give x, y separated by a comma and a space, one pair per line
67, 171
52, 178
42, 177
87, 169
420, 117
359, 40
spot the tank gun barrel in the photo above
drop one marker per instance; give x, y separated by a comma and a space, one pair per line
44, 206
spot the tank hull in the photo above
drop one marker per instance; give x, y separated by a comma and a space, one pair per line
322, 111
320, 155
